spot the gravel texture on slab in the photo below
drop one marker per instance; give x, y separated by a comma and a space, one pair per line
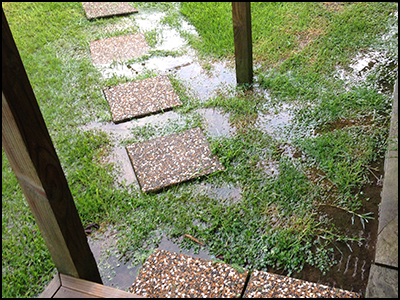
118, 48
172, 159
140, 98
170, 275
95, 10
268, 285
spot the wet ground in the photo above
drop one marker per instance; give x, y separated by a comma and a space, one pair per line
352, 269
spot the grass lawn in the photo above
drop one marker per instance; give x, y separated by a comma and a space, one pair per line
298, 48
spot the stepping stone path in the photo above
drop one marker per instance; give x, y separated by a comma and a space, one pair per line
139, 98
171, 159
95, 10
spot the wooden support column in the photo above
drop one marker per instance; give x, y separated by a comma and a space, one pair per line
32, 156
241, 18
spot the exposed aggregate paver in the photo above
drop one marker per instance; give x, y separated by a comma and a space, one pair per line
119, 48
172, 159
95, 10
268, 285
140, 98
172, 275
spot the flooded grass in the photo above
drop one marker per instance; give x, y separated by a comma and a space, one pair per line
298, 145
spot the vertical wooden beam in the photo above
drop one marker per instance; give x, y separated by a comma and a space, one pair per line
241, 18
35, 163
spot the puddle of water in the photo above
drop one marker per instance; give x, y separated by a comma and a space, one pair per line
226, 194
274, 123
124, 22
149, 19
171, 39
119, 70
119, 273
166, 64
158, 119
217, 123
366, 64
168, 245
205, 84
114, 273
118, 131
161, 65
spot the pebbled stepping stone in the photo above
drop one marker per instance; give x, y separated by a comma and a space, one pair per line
117, 48
95, 10
172, 275
171, 159
268, 285
140, 98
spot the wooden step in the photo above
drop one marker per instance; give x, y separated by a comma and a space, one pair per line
64, 286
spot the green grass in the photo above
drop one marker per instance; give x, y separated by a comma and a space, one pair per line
297, 47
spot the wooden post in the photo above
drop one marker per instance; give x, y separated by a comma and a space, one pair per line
241, 18
35, 163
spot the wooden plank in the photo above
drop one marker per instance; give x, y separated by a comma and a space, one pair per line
52, 288
35, 163
64, 292
93, 289
241, 18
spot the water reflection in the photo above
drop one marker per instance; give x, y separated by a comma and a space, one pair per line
207, 84
274, 122
217, 123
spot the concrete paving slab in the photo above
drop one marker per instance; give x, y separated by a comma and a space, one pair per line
389, 207
387, 245
387, 241
95, 10
170, 275
268, 285
382, 283
140, 98
175, 158
118, 48
383, 277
